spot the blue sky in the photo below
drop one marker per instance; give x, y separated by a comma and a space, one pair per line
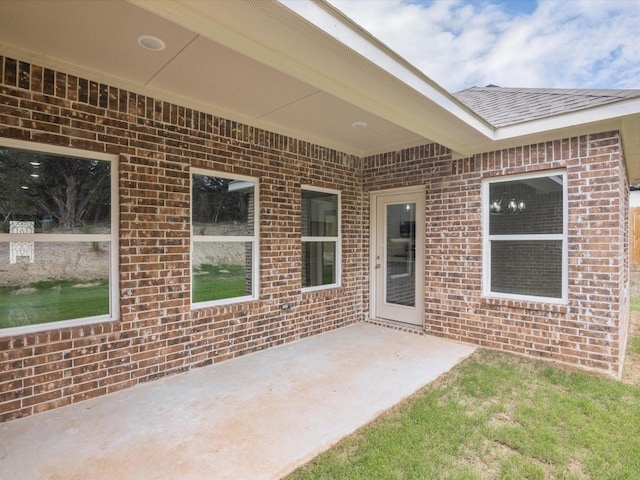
511, 43
514, 7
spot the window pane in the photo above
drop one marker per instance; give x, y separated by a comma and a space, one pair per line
318, 263
527, 206
400, 287
527, 268
47, 282
43, 193
221, 270
221, 206
319, 214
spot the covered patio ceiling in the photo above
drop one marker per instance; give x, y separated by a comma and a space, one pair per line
296, 68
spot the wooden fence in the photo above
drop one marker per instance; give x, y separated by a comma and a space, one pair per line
634, 235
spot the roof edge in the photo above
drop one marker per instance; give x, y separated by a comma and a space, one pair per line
344, 30
600, 113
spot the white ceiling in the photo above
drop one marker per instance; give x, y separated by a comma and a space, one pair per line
98, 39
296, 68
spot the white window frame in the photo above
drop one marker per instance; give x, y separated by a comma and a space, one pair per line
255, 239
487, 239
112, 238
336, 239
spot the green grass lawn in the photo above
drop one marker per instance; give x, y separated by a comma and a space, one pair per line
634, 304
216, 282
497, 416
52, 301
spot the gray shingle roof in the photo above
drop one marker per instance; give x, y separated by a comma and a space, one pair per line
508, 106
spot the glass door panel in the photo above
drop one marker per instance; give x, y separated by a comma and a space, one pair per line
397, 261
400, 285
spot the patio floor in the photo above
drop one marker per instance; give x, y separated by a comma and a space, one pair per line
255, 417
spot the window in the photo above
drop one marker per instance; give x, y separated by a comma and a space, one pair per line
525, 237
224, 237
58, 237
320, 238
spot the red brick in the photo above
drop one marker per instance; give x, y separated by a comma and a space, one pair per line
158, 142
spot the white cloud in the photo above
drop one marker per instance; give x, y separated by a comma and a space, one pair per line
562, 44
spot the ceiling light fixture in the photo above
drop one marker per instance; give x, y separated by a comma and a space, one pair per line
359, 125
151, 43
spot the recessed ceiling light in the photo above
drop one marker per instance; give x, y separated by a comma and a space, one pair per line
151, 43
359, 125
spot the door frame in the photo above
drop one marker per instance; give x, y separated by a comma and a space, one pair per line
420, 192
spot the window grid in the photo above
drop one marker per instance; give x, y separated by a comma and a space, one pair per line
250, 251
106, 242
318, 241
494, 240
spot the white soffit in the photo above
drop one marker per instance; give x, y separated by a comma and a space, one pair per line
97, 36
273, 34
337, 25
97, 41
302, 113
623, 116
235, 82
296, 67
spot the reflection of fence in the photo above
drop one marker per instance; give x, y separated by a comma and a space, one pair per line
21, 249
634, 235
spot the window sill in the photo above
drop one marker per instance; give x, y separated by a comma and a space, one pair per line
322, 294
223, 302
320, 288
539, 306
82, 327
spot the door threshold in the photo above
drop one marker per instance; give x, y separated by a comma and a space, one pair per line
395, 325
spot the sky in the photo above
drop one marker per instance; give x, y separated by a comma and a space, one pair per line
510, 43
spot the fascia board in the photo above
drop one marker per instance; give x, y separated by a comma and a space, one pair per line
405, 96
544, 136
630, 131
453, 126
341, 28
330, 20
569, 120
622, 116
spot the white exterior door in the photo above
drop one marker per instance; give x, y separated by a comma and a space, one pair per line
397, 260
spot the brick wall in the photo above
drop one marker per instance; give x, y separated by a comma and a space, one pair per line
157, 143
586, 332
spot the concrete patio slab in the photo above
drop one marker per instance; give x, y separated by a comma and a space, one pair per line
254, 417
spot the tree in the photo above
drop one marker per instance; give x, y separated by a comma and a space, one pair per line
73, 191
213, 202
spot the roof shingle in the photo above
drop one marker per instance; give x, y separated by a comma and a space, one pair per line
508, 106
